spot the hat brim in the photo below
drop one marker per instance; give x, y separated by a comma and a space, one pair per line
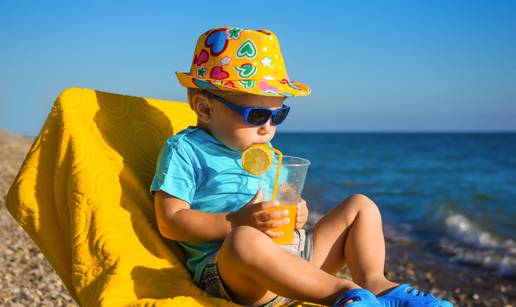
274, 88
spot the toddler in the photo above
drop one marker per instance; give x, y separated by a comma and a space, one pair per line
212, 207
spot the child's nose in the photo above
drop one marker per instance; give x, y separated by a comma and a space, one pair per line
265, 129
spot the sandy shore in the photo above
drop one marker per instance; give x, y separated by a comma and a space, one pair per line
28, 280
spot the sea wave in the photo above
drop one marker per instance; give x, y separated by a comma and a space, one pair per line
468, 243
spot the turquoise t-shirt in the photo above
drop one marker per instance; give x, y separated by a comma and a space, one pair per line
197, 168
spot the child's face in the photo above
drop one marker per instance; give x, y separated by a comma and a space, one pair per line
229, 127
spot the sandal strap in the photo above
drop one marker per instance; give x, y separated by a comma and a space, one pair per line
354, 295
405, 293
412, 289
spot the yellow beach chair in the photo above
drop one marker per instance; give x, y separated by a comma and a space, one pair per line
82, 195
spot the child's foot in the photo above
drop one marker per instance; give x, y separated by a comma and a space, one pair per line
356, 298
379, 286
405, 295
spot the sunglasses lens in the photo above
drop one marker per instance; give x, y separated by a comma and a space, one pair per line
258, 116
280, 117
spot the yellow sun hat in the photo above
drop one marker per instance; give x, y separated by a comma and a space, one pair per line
240, 60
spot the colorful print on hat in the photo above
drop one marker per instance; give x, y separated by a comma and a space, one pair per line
241, 60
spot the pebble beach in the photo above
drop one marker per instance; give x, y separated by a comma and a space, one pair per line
28, 280
26, 277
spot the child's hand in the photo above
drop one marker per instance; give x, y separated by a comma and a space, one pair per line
302, 214
254, 214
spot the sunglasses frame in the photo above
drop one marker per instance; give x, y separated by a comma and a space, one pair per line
244, 112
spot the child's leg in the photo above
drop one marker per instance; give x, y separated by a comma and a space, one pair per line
250, 263
352, 233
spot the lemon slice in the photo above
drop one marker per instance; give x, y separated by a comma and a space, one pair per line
257, 159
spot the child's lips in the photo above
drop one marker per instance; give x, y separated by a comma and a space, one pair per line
264, 141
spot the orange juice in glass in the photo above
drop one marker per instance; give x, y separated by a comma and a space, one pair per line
287, 229
290, 183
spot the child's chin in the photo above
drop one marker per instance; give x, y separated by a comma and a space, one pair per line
237, 147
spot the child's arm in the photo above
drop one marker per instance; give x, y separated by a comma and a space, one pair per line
176, 221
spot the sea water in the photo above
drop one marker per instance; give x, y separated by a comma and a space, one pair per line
455, 192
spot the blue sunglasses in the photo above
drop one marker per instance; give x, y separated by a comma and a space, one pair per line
254, 116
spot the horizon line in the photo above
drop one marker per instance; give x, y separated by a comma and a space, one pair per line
354, 132
396, 131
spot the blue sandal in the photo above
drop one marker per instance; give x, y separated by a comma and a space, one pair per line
360, 297
405, 295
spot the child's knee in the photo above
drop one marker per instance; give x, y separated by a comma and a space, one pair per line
245, 242
362, 203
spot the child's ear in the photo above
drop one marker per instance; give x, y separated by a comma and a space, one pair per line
202, 107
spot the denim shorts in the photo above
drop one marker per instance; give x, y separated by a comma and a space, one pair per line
211, 281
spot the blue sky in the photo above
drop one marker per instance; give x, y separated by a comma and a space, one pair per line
372, 65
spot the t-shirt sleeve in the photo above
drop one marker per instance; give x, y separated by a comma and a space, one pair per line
175, 172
